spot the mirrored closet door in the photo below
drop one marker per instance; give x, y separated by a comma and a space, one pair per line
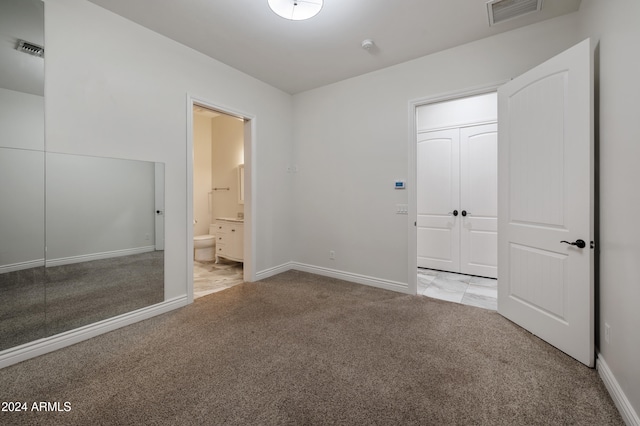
81, 237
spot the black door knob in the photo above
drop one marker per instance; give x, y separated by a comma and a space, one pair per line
577, 243
455, 212
464, 213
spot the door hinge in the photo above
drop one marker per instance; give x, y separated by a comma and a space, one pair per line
593, 244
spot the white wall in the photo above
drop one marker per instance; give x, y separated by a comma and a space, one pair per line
351, 143
457, 112
116, 89
615, 25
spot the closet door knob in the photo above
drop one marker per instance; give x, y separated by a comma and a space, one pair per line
455, 213
464, 213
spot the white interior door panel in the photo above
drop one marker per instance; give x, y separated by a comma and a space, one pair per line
545, 187
479, 200
438, 187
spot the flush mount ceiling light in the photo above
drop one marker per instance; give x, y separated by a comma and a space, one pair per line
296, 10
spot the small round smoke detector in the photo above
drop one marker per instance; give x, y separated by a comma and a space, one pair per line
367, 44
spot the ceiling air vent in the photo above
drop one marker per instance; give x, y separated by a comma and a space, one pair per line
503, 10
30, 48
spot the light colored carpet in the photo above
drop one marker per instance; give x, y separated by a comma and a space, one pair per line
298, 349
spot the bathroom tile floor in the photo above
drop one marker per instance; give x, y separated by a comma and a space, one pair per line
211, 277
465, 289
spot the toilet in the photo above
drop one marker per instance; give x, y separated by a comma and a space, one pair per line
204, 246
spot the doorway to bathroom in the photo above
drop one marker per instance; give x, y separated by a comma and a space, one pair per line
218, 243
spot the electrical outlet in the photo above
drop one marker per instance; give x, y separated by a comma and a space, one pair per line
332, 254
607, 333
147, 237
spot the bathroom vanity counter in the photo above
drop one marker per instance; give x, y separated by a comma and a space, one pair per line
229, 239
230, 219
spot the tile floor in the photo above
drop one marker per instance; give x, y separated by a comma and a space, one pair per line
465, 289
210, 277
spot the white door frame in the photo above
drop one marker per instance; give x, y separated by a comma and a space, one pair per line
412, 175
249, 185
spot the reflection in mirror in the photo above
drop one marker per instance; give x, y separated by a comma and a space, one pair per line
22, 296
104, 217
104, 257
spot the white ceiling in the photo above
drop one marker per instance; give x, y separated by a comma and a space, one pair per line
293, 56
298, 56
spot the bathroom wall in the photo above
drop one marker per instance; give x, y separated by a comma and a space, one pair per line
201, 173
227, 154
218, 149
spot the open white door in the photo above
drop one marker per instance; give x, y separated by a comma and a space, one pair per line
545, 199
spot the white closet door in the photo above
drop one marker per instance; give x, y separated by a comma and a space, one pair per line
438, 187
479, 200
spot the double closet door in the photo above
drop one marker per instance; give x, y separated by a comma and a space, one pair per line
457, 200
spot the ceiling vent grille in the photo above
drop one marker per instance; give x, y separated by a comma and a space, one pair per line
503, 10
30, 48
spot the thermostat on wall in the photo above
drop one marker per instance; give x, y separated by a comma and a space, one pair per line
400, 184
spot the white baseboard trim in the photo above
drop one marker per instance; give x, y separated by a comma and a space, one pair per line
50, 344
98, 256
273, 271
334, 273
627, 412
351, 277
21, 265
